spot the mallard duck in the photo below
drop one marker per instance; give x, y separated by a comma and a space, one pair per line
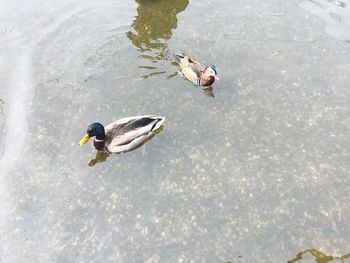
123, 135
196, 72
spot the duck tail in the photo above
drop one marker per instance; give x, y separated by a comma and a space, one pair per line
179, 57
182, 59
158, 123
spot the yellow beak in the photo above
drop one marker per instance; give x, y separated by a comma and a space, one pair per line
84, 140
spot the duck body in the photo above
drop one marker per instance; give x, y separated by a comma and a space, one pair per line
123, 135
196, 72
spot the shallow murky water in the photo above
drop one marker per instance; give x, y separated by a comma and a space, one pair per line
254, 170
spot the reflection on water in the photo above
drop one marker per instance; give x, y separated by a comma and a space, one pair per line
99, 158
102, 156
153, 26
319, 256
209, 91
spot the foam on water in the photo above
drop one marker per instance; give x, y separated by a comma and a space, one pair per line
336, 15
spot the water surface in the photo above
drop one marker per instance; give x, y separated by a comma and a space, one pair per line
258, 173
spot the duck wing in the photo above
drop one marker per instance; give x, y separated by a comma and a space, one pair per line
191, 68
187, 62
128, 133
193, 72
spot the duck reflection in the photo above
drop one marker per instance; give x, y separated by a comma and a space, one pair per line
319, 256
99, 158
153, 27
209, 91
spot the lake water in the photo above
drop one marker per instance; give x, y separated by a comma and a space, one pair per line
255, 169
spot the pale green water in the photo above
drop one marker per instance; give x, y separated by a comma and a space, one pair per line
257, 171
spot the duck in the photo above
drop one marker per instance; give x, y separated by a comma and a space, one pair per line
123, 135
196, 72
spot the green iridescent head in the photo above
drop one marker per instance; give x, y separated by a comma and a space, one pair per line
94, 130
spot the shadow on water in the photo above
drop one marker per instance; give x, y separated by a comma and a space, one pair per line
102, 156
319, 256
153, 27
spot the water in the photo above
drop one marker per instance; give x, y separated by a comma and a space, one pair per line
254, 170
335, 14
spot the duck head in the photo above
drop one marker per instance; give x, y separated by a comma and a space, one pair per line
210, 71
94, 130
